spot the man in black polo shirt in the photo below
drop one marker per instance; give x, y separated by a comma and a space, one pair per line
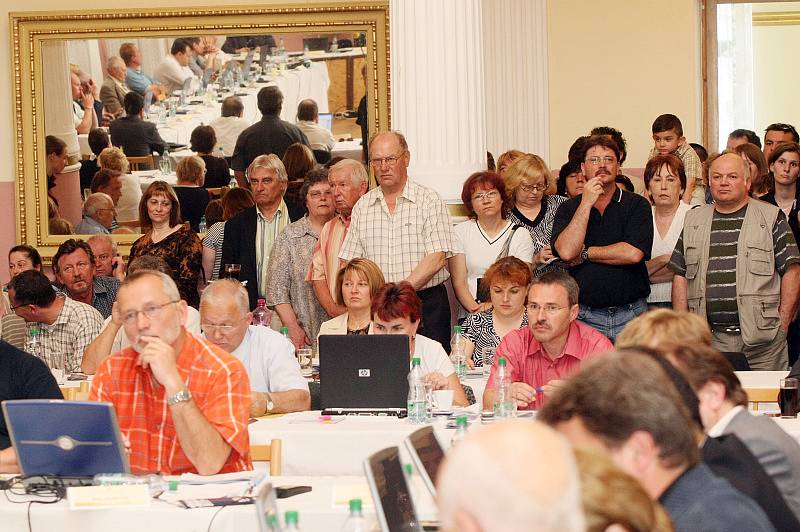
268, 135
605, 235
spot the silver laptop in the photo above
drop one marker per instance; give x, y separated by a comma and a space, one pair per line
427, 455
394, 505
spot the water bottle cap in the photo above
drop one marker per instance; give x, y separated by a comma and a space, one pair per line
262, 302
284, 329
355, 505
415, 361
173, 485
502, 361
457, 328
34, 331
291, 517
409, 469
461, 421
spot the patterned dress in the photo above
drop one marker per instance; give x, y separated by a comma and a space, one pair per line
541, 229
479, 329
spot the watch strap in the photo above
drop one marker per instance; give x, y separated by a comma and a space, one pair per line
180, 397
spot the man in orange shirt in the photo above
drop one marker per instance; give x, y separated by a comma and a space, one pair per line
181, 402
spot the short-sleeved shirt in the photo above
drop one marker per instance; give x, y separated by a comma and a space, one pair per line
268, 135
479, 329
433, 358
397, 242
627, 218
270, 361
76, 326
721, 305
529, 363
219, 386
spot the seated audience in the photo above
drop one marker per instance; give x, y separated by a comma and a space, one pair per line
357, 284
286, 289
397, 309
615, 501
551, 348
761, 179
135, 77
174, 69
530, 184
194, 391
60, 226
13, 330
57, 158
114, 89
507, 281
130, 190
136, 136
228, 126
665, 181
112, 337
483, 239
84, 116
165, 237
202, 142
276, 384
98, 141
67, 326
625, 405
668, 139
73, 266
192, 197
233, 202
497, 463
107, 260
298, 161
98, 215
319, 138
570, 179
742, 136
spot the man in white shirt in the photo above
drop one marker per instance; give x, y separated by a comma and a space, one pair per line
319, 138
174, 68
228, 126
275, 380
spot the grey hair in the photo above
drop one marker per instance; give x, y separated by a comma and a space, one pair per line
400, 138
167, 284
357, 171
94, 203
269, 161
115, 62
107, 238
220, 291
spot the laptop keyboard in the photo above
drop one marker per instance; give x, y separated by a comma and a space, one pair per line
366, 412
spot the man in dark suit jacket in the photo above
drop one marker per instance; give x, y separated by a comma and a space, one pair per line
249, 235
132, 133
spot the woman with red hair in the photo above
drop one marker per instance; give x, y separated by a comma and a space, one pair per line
396, 309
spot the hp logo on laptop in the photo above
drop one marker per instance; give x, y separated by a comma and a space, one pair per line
364, 372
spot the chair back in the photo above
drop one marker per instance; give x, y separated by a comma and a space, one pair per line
145, 162
269, 452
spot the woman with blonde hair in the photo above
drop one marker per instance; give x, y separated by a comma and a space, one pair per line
193, 198
357, 283
128, 205
506, 158
660, 326
531, 187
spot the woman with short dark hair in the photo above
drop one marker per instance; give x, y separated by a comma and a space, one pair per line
202, 142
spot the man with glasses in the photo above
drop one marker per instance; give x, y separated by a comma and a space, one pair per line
551, 348
98, 215
605, 235
73, 265
406, 230
66, 326
276, 384
776, 134
182, 402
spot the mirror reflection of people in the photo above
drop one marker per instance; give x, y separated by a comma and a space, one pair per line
173, 70
57, 158
114, 89
135, 77
356, 286
136, 136
98, 213
396, 309
84, 116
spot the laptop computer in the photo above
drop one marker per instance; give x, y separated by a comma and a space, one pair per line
427, 455
74, 439
267, 513
394, 505
363, 374
326, 121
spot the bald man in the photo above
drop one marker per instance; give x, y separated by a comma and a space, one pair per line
531, 486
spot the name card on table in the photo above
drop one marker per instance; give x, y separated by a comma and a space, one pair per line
103, 497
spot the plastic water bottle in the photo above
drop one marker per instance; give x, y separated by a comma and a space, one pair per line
458, 352
232, 183
262, 315
292, 517
417, 399
202, 226
33, 344
504, 404
285, 333
272, 523
461, 430
156, 483
220, 151
356, 521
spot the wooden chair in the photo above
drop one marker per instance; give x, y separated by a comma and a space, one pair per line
145, 162
80, 393
756, 396
270, 452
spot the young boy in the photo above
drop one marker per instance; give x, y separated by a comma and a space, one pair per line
668, 138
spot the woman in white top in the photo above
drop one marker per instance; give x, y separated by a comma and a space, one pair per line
483, 238
356, 286
665, 181
396, 309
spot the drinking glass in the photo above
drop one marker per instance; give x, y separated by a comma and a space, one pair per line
304, 357
58, 366
487, 359
788, 397
232, 271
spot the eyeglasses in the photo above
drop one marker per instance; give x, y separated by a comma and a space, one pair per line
319, 193
153, 312
595, 161
390, 161
158, 203
210, 327
490, 195
549, 309
529, 189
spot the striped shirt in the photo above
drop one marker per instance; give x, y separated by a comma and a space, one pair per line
398, 241
479, 329
325, 261
213, 240
219, 386
721, 305
541, 229
267, 231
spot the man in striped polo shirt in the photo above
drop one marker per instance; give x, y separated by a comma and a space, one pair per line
737, 264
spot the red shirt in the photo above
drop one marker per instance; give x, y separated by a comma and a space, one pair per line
529, 363
220, 388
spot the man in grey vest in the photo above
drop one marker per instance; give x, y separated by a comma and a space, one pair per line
737, 264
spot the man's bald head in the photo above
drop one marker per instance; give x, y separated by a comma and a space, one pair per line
526, 475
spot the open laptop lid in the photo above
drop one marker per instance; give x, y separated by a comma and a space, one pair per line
65, 438
326, 121
363, 371
427, 455
266, 504
390, 493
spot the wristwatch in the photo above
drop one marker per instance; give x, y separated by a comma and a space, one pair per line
585, 254
270, 404
180, 397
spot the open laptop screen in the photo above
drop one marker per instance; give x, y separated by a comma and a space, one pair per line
390, 492
427, 455
326, 121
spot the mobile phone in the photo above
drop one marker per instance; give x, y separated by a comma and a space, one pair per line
291, 491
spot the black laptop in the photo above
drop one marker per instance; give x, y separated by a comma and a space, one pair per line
427, 455
363, 374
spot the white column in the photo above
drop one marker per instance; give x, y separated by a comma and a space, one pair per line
515, 51
437, 89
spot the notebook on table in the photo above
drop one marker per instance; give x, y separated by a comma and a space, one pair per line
363, 374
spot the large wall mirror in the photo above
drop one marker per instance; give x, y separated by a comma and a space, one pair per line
316, 51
